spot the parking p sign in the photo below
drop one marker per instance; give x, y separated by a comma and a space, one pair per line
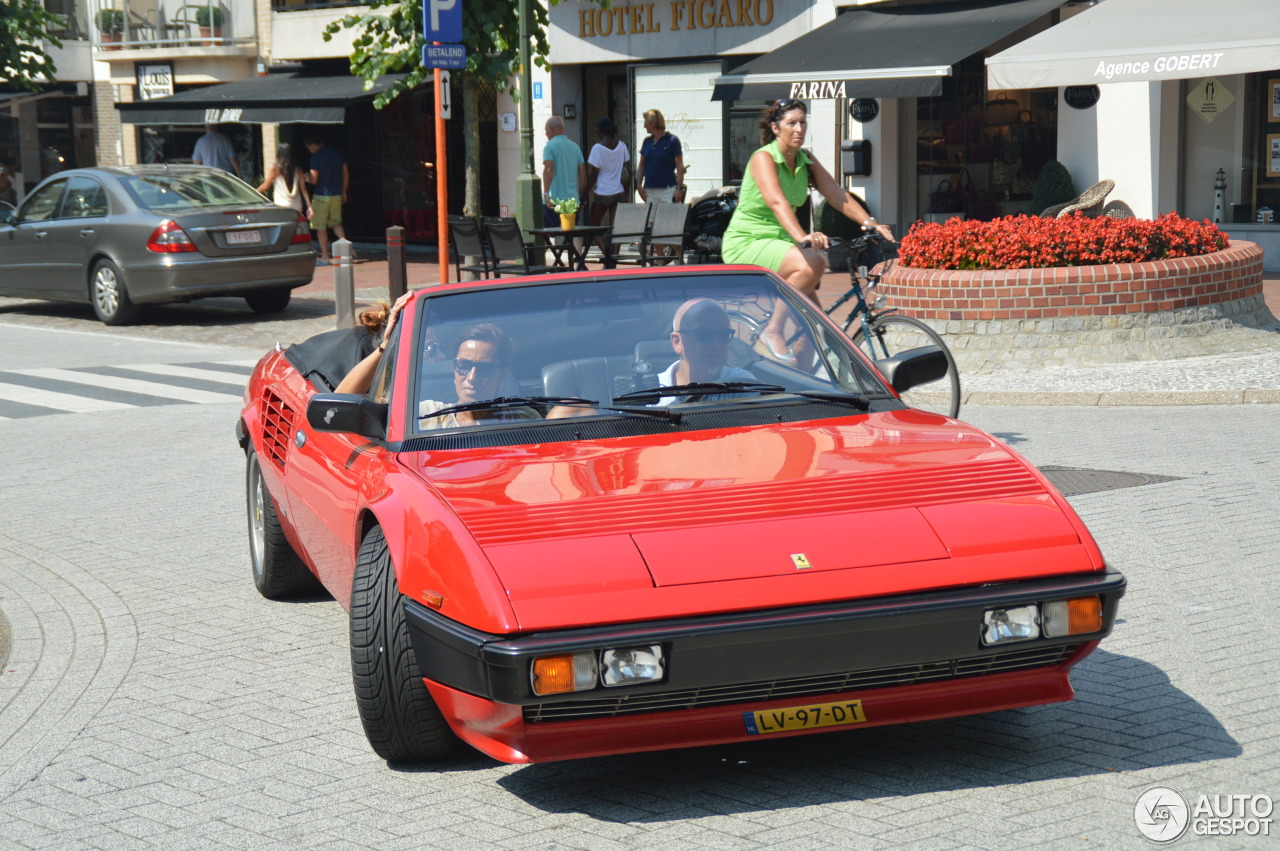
442, 21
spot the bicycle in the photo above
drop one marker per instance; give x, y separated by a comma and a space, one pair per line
881, 331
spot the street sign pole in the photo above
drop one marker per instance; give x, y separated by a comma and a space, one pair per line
442, 186
442, 32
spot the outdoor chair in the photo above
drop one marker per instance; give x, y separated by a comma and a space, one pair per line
665, 242
1118, 210
630, 228
1088, 202
467, 241
511, 254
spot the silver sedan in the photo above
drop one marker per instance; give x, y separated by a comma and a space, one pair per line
123, 236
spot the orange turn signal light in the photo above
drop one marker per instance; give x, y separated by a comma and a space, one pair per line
1084, 614
564, 673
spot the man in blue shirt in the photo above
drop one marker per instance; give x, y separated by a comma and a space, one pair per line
564, 172
331, 178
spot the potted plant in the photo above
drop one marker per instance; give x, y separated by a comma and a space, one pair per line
568, 210
111, 26
209, 20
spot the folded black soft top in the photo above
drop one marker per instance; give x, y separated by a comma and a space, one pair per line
326, 358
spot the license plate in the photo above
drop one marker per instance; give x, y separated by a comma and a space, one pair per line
804, 717
244, 237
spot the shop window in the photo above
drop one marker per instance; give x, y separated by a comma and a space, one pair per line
1260, 158
978, 153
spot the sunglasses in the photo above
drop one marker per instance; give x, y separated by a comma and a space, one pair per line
709, 335
483, 368
785, 105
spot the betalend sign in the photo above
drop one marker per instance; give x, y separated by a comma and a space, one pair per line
1161, 65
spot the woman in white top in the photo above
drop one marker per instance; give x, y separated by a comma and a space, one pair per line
287, 181
606, 182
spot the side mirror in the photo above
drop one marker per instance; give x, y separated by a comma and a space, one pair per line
913, 367
347, 413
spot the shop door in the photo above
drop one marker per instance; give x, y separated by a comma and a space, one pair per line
682, 94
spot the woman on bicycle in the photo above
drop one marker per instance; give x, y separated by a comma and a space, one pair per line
764, 230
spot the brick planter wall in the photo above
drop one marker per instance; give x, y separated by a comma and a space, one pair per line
1167, 308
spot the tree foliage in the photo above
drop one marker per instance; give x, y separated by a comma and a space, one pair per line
24, 25
391, 42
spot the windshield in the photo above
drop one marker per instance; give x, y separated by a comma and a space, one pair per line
625, 347
186, 191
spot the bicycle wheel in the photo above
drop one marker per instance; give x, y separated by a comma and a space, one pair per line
894, 334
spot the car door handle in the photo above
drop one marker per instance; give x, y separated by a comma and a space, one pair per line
41, 234
86, 232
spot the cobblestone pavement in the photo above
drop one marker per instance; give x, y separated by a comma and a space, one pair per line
152, 699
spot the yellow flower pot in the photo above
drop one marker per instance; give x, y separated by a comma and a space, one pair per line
567, 220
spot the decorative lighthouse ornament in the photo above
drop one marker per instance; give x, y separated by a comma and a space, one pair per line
1219, 195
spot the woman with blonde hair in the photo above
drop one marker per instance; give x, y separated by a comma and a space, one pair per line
660, 174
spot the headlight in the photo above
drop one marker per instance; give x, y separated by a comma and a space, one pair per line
1072, 617
1004, 626
624, 666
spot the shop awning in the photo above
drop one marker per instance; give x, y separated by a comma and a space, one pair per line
883, 51
1130, 40
290, 98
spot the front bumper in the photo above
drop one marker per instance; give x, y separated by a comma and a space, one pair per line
722, 664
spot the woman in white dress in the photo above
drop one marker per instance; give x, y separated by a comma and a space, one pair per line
287, 181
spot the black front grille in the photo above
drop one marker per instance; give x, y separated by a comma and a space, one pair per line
623, 703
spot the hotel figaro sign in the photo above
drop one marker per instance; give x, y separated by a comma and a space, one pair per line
677, 15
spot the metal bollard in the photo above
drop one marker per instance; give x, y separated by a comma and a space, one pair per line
344, 284
397, 272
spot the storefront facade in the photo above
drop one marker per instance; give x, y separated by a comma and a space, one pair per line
1185, 110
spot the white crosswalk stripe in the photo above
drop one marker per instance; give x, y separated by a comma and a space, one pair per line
180, 371
48, 390
132, 385
62, 401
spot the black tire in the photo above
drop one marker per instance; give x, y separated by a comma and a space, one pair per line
278, 572
109, 295
269, 301
401, 721
895, 333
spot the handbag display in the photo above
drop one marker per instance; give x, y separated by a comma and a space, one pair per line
930, 145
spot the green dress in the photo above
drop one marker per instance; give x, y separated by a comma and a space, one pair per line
754, 235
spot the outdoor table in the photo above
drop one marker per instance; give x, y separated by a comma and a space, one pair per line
576, 259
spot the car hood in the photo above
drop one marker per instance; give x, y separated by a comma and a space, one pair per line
872, 492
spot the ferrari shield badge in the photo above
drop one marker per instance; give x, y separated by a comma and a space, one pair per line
801, 561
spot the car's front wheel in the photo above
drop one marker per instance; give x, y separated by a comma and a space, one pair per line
278, 571
110, 296
401, 721
269, 301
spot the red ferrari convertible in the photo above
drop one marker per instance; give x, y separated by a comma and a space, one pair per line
593, 513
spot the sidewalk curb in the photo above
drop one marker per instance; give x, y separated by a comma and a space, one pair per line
1127, 398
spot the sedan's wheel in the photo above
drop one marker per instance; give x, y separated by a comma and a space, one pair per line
269, 301
278, 572
109, 295
401, 721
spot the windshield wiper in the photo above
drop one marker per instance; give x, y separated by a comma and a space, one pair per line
857, 400
510, 402
697, 388
525, 401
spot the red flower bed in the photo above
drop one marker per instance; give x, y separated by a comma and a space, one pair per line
1033, 242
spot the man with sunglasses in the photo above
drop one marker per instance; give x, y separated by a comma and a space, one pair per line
479, 368
700, 336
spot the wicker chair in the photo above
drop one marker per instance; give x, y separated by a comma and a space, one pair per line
1088, 202
1118, 210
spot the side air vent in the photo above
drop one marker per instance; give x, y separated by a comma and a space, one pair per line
277, 427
